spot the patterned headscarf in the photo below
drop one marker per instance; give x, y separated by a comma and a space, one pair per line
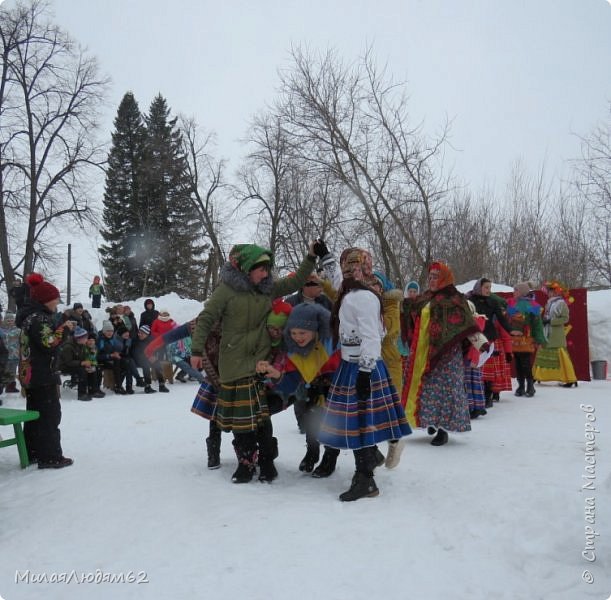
356, 260
477, 288
446, 277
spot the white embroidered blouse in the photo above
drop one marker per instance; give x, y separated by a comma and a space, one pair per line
361, 329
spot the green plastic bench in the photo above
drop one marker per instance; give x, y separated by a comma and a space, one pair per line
15, 417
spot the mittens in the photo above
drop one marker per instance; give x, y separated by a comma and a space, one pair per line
320, 248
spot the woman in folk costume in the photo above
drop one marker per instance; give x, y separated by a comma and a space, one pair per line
437, 322
305, 370
553, 362
363, 408
496, 371
527, 331
242, 302
390, 355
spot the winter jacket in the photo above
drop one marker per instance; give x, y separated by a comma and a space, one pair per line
106, 346
39, 345
390, 348
20, 294
160, 327
298, 298
81, 320
148, 316
3, 357
491, 308
243, 308
71, 354
11, 340
96, 289
555, 317
180, 350
525, 316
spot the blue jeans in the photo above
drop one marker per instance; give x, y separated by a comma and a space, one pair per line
184, 366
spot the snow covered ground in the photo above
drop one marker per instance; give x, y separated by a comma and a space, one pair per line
511, 510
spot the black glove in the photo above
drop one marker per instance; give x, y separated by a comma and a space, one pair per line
508, 357
320, 248
363, 385
485, 347
314, 391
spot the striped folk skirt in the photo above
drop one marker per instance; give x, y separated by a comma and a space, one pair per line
350, 424
204, 404
240, 405
474, 386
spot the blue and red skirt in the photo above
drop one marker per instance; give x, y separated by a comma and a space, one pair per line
351, 424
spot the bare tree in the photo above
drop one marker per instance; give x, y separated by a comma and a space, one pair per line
50, 93
206, 175
593, 183
352, 122
265, 178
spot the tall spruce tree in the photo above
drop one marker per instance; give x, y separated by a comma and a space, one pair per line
174, 262
123, 219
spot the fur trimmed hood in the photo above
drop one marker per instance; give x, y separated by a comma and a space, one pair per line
240, 282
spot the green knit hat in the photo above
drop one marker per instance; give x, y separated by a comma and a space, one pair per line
247, 256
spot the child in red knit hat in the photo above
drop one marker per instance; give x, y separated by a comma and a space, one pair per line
37, 373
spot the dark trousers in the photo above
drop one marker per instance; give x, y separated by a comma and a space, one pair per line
96, 300
86, 382
152, 370
523, 363
118, 366
42, 437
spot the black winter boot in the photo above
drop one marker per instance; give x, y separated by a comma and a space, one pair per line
149, 390
268, 450
441, 438
520, 390
380, 458
310, 459
530, 388
327, 464
245, 449
213, 445
363, 486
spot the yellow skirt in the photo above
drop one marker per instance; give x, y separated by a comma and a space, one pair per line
554, 364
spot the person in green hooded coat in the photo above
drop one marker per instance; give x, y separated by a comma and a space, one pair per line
242, 302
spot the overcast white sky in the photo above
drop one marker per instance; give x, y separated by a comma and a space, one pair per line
519, 78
